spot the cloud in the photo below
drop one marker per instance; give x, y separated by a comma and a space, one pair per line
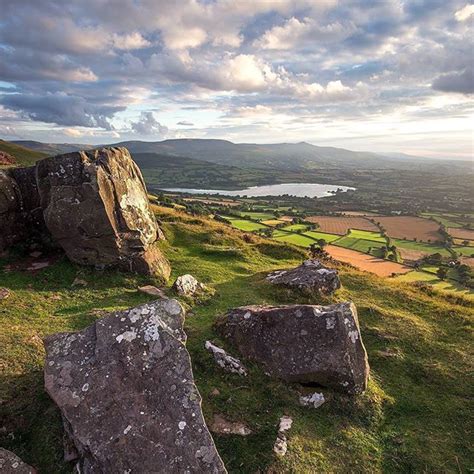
459, 81
148, 125
464, 13
61, 109
185, 123
130, 41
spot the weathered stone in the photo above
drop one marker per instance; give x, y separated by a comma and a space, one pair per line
152, 291
281, 443
10, 463
314, 400
126, 392
302, 343
95, 206
225, 361
310, 276
187, 285
12, 225
222, 426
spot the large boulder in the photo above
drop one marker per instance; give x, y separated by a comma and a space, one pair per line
95, 206
302, 343
12, 226
311, 276
126, 392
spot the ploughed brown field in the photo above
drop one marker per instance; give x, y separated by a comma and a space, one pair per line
411, 228
366, 262
410, 254
340, 225
464, 234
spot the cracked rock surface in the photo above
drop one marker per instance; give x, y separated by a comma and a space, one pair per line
10, 463
310, 276
302, 343
127, 396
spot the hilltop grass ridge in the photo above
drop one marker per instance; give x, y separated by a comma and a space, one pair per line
23, 156
414, 417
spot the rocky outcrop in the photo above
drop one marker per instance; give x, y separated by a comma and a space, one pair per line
311, 276
302, 343
13, 228
126, 392
95, 206
10, 463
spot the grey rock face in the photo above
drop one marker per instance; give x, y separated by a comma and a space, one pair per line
126, 392
302, 343
311, 276
95, 206
10, 463
12, 227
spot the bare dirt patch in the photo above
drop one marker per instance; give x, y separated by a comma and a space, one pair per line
464, 234
410, 227
340, 225
366, 262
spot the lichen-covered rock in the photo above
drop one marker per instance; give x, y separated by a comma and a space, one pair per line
310, 276
6, 159
10, 463
12, 226
314, 400
225, 361
302, 343
96, 207
126, 392
187, 285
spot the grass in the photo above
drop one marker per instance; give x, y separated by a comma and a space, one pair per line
448, 220
463, 250
366, 235
360, 245
321, 235
272, 222
414, 417
242, 224
421, 247
295, 227
257, 215
295, 239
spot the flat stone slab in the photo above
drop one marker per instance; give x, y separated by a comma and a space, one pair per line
10, 463
127, 395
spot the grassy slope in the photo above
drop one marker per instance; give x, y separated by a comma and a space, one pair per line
413, 418
24, 156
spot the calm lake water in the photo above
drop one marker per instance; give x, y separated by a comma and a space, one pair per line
292, 189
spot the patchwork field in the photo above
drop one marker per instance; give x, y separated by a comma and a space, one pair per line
258, 215
340, 225
363, 234
462, 234
247, 226
415, 250
365, 262
322, 235
361, 245
295, 239
272, 222
411, 228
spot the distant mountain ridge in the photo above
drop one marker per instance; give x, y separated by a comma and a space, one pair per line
283, 156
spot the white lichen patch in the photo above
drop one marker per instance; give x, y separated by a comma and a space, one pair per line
128, 336
182, 425
330, 323
354, 335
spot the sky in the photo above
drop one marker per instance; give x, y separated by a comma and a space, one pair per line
372, 75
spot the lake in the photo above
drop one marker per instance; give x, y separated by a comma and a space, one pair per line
291, 189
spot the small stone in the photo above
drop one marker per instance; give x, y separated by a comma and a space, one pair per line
215, 392
222, 426
225, 361
187, 285
315, 400
79, 282
4, 293
152, 291
38, 266
36, 254
281, 443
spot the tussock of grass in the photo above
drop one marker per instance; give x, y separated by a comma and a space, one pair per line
413, 418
